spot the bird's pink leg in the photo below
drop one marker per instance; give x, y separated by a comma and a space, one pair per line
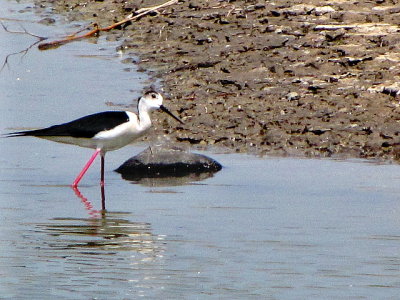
85, 168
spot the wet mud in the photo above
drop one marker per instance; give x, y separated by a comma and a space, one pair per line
282, 77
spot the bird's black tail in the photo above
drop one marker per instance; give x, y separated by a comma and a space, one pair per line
19, 133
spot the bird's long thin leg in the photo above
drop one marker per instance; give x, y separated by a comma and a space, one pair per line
85, 168
102, 168
102, 183
103, 198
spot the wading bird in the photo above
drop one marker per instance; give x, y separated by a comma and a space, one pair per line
104, 131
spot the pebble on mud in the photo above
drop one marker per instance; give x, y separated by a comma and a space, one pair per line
293, 96
47, 21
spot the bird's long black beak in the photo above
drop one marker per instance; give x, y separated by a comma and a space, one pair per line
164, 109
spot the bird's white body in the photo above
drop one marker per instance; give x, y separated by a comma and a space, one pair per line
109, 140
121, 135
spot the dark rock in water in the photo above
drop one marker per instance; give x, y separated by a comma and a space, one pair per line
157, 162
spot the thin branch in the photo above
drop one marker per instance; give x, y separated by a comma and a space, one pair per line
40, 38
97, 29
25, 51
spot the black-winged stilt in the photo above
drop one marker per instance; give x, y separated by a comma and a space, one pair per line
104, 131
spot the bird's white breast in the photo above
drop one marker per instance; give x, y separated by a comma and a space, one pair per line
120, 135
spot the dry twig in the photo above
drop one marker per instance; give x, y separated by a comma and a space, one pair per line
97, 29
23, 52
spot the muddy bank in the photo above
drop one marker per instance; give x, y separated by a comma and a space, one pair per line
286, 78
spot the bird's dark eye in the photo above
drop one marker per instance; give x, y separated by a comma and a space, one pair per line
154, 96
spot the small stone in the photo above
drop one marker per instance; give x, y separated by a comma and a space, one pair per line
259, 6
130, 7
293, 96
299, 9
47, 21
321, 10
204, 40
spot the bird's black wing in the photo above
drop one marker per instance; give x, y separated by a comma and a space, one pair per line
85, 127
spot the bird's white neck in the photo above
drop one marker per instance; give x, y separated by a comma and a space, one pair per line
144, 115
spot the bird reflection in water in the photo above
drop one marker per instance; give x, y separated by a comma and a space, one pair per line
102, 231
88, 205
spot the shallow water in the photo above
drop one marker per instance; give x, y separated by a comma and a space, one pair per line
262, 228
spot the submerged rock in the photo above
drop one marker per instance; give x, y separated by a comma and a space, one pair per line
159, 162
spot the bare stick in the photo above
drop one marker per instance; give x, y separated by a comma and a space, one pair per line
23, 52
97, 29
40, 38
